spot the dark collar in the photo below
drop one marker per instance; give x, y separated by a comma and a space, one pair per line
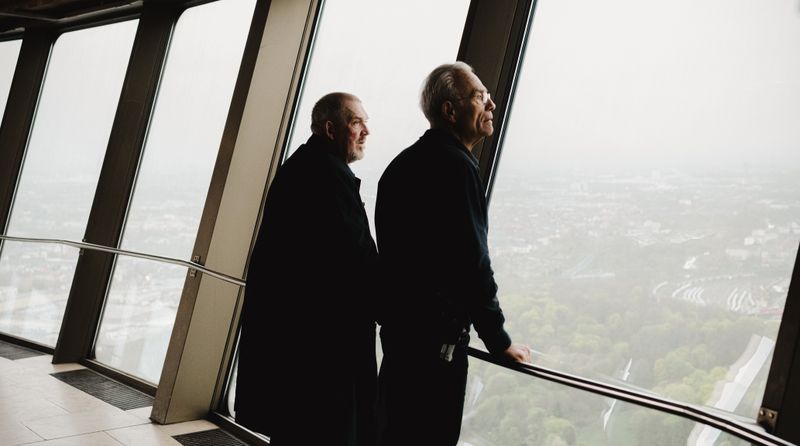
443, 138
324, 146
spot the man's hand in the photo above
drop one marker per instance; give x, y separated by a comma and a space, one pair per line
518, 352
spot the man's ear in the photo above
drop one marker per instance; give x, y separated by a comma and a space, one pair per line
329, 130
449, 112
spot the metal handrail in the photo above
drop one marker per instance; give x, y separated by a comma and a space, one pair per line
692, 412
162, 259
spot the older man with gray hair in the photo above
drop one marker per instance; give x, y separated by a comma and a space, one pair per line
431, 226
307, 373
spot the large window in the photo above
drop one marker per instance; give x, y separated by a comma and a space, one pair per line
9, 51
65, 152
183, 140
646, 209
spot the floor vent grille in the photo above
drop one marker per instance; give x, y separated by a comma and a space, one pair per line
13, 352
105, 389
214, 437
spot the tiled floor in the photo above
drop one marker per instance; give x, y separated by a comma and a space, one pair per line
37, 409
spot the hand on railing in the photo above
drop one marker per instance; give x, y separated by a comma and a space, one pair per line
518, 353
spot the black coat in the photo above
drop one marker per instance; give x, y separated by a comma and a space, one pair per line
307, 349
431, 226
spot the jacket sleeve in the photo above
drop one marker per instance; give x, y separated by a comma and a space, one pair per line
468, 227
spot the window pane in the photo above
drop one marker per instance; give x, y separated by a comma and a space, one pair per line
507, 408
57, 184
646, 213
172, 183
9, 51
362, 44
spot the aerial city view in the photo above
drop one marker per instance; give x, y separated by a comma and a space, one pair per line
644, 213
669, 282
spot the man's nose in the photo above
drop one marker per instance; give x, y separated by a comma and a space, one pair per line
366, 130
490, 105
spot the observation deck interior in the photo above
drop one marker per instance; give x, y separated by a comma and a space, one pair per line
642, 185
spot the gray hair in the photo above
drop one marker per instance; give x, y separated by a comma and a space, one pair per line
330, 108
440, 86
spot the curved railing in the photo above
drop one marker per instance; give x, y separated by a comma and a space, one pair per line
162, 259
748, 432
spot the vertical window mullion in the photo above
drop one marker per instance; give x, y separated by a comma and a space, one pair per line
172, 182
781, 404
493, 42
115, 183
62, 158
18, 117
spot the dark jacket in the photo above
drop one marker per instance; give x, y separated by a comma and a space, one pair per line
307, 348
431, 226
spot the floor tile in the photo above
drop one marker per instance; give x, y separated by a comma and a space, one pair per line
94, 439
81, 423
38, 409
23, 407
142, 412
75, 401
6, 364
144, 435
13, 432
187, 427
44, 364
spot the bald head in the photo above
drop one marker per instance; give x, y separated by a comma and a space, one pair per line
331, 107
340, 118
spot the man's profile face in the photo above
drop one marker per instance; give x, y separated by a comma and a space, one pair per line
474, 109
353, 137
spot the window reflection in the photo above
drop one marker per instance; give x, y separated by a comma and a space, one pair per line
58, 180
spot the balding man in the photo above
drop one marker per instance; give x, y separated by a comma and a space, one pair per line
307, 372
431, 226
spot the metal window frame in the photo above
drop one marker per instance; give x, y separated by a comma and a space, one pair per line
20, 110
780, 407
211, 208
493, 43
221, 394
116, 181
25, 91
203, 335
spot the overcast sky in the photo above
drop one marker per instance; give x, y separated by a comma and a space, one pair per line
616, 82
633, 81
619, 82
